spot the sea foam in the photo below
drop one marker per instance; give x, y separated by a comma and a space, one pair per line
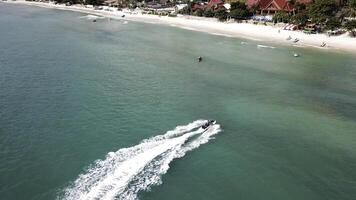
126, 172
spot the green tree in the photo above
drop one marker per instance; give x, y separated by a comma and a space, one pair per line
221, 14
208, 13
321, 10
350, 9
239, 10
300, 18
300, 7
281, 17
186, 10
333, 23
351, 27
239, 14
238, 5
199, 12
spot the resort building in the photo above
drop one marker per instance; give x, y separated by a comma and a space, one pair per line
270, 7
212, 4
111, 3
215, 4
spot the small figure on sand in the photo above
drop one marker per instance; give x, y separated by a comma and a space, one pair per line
289, 38
296, 40
323, 44
200, 59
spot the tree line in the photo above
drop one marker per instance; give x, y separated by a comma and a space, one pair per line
325, 13
238, 11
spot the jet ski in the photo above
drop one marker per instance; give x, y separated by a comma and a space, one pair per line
208, 124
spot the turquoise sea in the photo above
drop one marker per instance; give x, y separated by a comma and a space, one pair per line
80, 100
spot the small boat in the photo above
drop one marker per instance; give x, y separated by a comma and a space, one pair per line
94, 20
265, 46
208, 124
296, 55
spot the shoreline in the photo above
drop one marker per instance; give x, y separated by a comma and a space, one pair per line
263, 33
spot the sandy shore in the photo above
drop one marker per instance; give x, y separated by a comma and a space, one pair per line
249, 31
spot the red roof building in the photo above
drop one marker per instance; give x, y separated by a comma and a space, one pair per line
213, 4
252, 3
273, 6
198, 6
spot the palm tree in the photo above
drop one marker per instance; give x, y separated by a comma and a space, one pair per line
350, 10
351, 27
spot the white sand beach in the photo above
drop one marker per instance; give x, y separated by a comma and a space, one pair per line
343, 42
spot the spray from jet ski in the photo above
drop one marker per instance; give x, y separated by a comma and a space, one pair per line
128, 171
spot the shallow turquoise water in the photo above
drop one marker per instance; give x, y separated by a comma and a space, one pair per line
72, 90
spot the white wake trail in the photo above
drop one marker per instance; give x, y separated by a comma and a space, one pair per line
123, 174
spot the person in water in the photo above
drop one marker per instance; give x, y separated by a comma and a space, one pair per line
200, 59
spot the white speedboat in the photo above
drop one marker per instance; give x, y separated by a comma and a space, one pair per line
208, 124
